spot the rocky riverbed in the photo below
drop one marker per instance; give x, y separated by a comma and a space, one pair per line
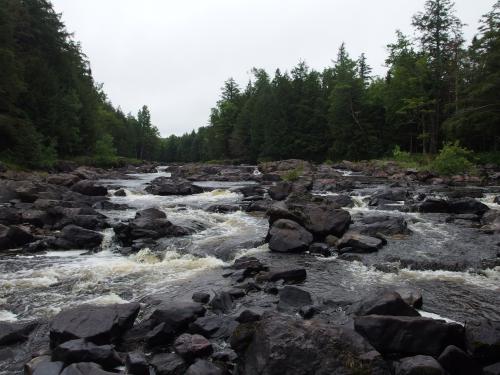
284, 268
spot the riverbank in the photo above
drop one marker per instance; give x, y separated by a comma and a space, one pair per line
190, 244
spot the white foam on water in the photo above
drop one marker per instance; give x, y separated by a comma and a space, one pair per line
426, 314
488, 200
7, 316
107, 299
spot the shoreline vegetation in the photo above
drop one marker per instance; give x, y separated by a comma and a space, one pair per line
439, 93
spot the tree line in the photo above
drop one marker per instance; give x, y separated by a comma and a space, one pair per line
436, 90
50, 106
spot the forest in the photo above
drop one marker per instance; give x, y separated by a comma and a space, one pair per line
438, 89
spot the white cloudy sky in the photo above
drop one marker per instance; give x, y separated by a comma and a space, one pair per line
175, 55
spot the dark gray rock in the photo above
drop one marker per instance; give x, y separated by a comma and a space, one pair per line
194, 346
385, 303
80, 350
201, 297
168, 364
86, 187
43, 366
280, 191
137, 364
204, 367
455, 361
216, 327
293, 298
85, 368
492, 369
418, 365
222, 302
409, 335
75, 237
321, 249
13, 333
177, 315
14, 236
286, 236
172, 186
98, 324
385, 225
359, 243
483, 340
281, 344
248, 316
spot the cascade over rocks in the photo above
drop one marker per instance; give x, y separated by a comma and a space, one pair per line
403, 335
98, 324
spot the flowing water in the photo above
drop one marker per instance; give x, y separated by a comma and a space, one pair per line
39, 286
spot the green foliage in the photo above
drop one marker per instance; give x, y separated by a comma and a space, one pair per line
453, 159
293, 175
401, 156
105, 152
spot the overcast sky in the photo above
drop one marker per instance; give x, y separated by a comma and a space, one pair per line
175, 55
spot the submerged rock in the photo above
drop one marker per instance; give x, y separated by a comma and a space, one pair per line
359, 243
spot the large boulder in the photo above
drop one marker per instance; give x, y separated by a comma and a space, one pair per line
281, 344
286, 236
81, 350
150, 223
63, 179
177, 315
409, 335
98, 324
292, 298
169, 186
468, 206
14, 236
90, 188
75, 237
358, 243
381, 224
455, 361
316, 214
483, 340
280, 191
194, 346
418, 365
385, 303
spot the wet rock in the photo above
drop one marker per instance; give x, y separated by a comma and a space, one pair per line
242, 336
160, 335
85, 368
432, 205
385, 303
250, 266
176, 186
340, 201
224, 208
194, 346
409, 335
226, 355
120, 193
137, 364
419, 365
321, 249
285, 345
204, 367
14, 236
248, 316
63, 179
168, 364
9, 216
90, 188
80, 350
307, 312
280, 191
98, 324
216, 327
150, 223
492, 369
296, 275
75, 237
411, 296
483, 340
107, 205
262, 205
43, 366
201, 297
222, 302
359, 243
455, 361
468, 206
13, 333
286, 236
177, 315
385, 225
293, 298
